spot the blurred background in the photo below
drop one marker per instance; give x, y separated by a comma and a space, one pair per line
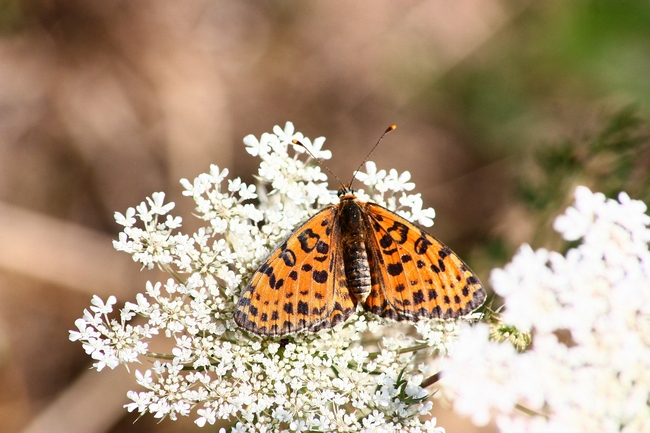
502, 107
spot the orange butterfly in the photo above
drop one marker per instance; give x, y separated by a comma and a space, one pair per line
355, 252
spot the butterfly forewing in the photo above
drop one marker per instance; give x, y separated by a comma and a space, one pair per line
302, 285
414, 275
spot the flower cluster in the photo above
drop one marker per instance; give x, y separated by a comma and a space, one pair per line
588, 368
346, 379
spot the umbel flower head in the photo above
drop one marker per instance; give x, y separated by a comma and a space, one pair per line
588, 369
364, 375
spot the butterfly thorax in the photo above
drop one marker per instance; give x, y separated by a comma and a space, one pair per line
353, 245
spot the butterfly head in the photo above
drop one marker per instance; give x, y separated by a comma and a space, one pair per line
345, 191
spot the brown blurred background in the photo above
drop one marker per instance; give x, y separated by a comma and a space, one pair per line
104, 102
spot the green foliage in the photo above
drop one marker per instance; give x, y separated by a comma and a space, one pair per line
12, 16
614, 159
523, 98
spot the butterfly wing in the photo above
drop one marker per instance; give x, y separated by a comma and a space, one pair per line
413, 274
302, 285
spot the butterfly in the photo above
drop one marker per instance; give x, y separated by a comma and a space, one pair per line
354, 253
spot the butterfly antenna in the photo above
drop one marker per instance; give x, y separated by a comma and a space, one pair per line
354, 175
298, 143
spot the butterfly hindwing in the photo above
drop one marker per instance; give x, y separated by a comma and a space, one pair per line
415, 276
302, 285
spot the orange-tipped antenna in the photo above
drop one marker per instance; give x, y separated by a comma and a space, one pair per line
390, 128
298, 143
348, 186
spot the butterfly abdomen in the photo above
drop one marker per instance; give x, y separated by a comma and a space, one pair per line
357, 268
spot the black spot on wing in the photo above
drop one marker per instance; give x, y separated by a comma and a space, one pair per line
308, 240
303, 308
275, 284
395, 269
399, 232
322, 247
289, 257
422, 245
385, 241
418, 297
320, 276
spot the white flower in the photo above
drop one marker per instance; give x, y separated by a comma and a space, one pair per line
314, 149
417, 214
589, 310
256, 147
101, 308
85, 332
288, 134
477, 373
372, 177
156, 202
126, 220
298, 426
206, 415
399, 182
331, 381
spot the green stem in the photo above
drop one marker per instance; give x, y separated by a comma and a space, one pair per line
431, 380
528, 411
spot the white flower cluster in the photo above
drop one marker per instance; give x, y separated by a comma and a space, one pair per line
346, 379
588, 369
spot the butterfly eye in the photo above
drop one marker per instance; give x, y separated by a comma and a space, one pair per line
345, 190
